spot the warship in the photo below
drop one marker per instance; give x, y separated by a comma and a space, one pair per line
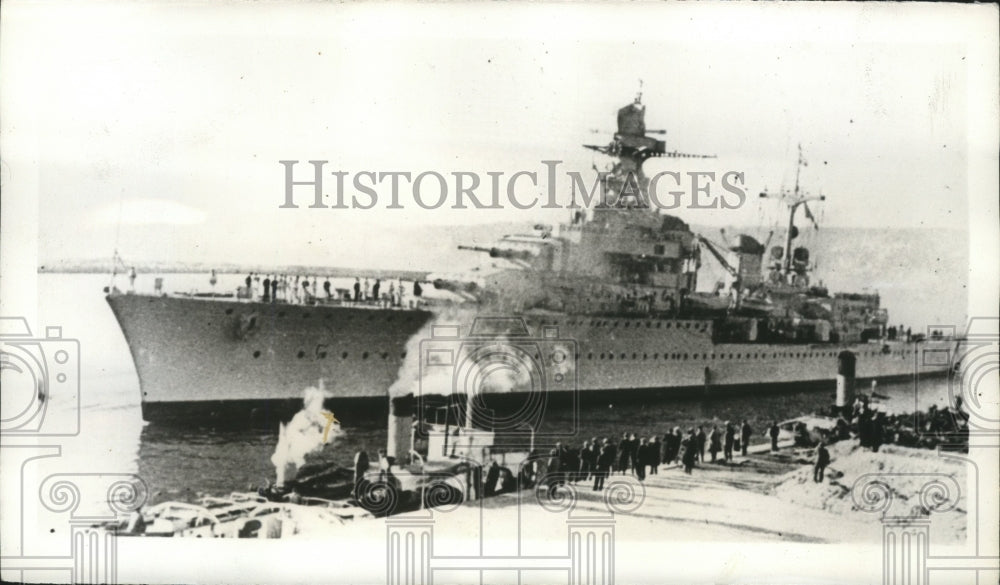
619, 283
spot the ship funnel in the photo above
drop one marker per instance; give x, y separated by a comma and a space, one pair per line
744, 244
400, 429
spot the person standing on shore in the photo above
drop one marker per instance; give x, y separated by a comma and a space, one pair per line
266, 291
654, 455
676, 443
274, 288
688, 447
586, 461
357, 289
604, 462
714, 443
633, 456
822, 460
745, 432
377, 290
730, 439
702, 440
624, 454
639, 463
775, 431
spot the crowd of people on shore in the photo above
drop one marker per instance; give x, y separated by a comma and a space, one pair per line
598, 459
932, 428
305, 289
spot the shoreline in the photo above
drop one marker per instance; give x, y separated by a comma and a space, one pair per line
761, 497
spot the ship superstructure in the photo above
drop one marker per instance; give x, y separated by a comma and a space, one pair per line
621, 282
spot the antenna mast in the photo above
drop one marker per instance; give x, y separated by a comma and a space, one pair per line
793, 201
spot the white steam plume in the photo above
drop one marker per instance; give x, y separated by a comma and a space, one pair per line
308, 432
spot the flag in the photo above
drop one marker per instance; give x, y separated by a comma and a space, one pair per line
810, 215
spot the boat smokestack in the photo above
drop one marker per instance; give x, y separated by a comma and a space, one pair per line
400, 428
846, 362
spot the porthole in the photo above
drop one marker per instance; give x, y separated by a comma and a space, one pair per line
385, 355
590, 356
229, 311
402, 355
634, 356
343, 356
322, 355
301, 354
364, 356
256, 354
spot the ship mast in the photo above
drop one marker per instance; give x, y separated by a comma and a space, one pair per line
793, 200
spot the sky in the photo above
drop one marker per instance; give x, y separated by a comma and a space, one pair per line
157, 128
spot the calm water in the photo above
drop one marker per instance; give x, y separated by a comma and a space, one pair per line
182, 463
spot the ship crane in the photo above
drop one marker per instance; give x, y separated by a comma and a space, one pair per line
714, 250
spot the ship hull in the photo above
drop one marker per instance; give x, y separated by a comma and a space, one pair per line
228, 360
